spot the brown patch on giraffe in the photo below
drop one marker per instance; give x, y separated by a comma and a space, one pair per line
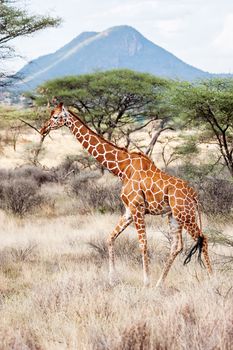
179, 185
94, 141
125, 199
90, 149
179, 201
94, 153
100, 149
180, 193
111, 165
100, 158
85, 144
107, 148
135, 185
149, 173
87, 137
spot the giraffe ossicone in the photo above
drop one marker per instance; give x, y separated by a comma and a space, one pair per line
145, 190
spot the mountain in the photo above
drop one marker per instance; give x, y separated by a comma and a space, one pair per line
116, 47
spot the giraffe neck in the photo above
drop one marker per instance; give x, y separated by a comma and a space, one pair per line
107, 154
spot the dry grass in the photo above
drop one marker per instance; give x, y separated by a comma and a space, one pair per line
54, 290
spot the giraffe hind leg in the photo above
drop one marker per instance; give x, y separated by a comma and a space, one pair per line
139, 221
206, 255
176, 247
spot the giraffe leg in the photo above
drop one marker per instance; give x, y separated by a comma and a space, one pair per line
124, 221
195, 232
176, 247
138, 217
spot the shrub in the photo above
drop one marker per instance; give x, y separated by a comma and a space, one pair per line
19, 196
72, 165
67, 167
97, 196
191, 172
215, 194
125, 248
40, 175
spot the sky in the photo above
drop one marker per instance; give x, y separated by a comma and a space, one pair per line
200, 32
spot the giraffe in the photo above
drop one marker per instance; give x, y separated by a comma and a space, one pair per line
145, 190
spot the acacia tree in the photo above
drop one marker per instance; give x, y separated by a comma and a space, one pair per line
17, 22
115, 103
209, 106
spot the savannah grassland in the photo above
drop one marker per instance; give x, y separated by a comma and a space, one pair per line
54, 290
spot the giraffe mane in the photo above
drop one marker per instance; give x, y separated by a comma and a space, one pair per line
101, 137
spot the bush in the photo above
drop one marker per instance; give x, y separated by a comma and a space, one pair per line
39, 175
125, 248
191, 172
19, 196
67, 167
215, 194
96, 196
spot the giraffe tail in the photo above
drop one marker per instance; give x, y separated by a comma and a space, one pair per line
198, 246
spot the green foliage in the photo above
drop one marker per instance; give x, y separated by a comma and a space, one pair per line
11, 115
187, 149
198, 102
194, 173
17, 22
208, 106
108, 100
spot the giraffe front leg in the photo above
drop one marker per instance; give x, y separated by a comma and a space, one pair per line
139, 221
176, 247
124, 221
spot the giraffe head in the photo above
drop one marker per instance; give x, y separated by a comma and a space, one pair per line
58, 117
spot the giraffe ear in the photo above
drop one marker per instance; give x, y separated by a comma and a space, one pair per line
60, 105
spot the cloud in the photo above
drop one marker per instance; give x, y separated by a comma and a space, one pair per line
169, 27
224, 39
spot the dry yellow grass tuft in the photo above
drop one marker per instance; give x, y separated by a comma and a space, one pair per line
54, 290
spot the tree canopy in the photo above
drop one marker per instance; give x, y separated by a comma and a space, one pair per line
120, 100
208, 106
17, 22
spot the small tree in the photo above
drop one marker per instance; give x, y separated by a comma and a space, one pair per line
208, 106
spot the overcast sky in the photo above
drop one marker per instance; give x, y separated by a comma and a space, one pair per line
200, 32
